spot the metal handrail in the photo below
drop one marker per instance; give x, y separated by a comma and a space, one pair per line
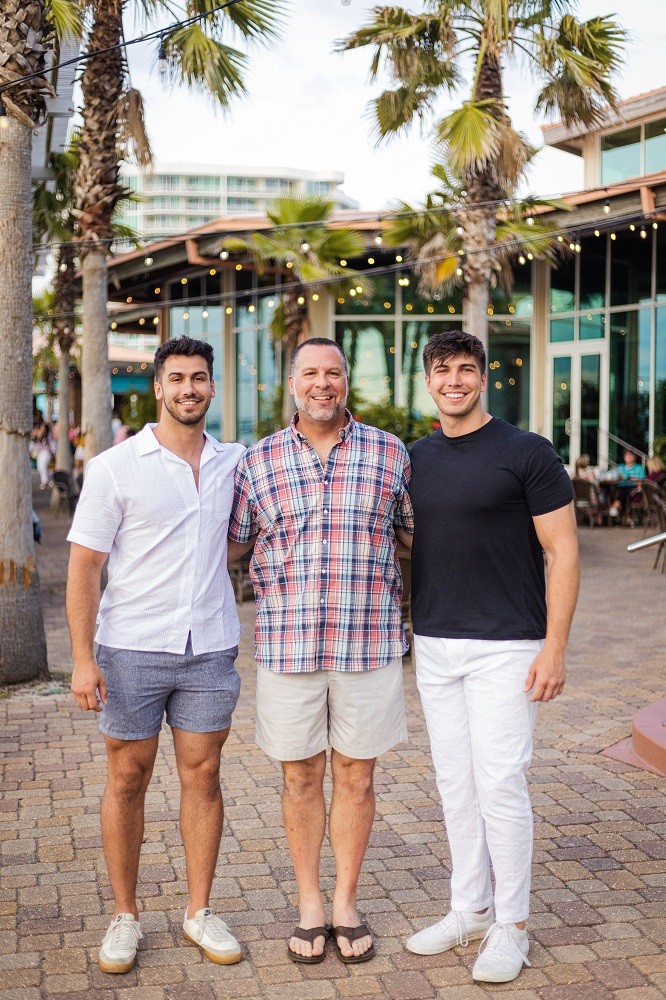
645, 543
623, 444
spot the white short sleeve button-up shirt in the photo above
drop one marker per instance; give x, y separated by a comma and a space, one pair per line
167, 545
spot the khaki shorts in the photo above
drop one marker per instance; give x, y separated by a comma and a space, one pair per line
360, 713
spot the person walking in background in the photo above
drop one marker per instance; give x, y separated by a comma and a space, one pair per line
323, 500
158, 505
43, 449
490, 641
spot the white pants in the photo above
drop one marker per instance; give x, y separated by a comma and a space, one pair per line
480, 723
43, 461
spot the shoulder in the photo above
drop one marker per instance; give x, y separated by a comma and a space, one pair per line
263, 451
524, 442
379, 439
425, 445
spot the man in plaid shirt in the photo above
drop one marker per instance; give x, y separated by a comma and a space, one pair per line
322, 502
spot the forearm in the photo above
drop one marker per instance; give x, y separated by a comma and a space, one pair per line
236, 550
83, 597
561, 594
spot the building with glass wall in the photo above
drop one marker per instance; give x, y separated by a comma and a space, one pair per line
577, 352
173, 198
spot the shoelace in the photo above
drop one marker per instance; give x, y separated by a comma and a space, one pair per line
500, 940
456, 918
125, 934
216, 928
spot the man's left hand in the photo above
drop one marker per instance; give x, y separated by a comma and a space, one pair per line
546, 676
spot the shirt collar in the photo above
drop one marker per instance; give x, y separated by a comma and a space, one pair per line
146, 442
345, 432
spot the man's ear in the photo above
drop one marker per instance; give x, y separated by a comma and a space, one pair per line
158, 389
291, 385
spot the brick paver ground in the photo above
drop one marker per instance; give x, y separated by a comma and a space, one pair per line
599, 890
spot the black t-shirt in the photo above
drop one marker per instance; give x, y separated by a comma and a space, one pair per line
477, 565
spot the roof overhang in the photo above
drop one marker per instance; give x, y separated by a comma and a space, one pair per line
633, 110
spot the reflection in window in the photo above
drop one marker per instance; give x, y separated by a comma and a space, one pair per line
590, 400
509, 371
562, 407
629, 379
370, 351
592, 326
621, 155
246, 385
655, 147
593, 273
660, 375
631, 267
561, 330
380, 301
519, 302
563, 286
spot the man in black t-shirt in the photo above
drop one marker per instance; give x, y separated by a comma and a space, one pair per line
489, 500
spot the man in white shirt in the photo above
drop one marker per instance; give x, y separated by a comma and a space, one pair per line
167, 631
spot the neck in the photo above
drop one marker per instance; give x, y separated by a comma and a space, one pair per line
321, 430
182, 440
458, 426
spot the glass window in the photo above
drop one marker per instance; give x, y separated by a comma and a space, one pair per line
519, 301
562, 407
246, 384
413, 302
370, 351
592, 326
561, 330
509, 371
660, 236
590, 397
629, 379
381, 300
621, 155
563, 286
631, 267
655, 147
415, 335
593, 273
660, 375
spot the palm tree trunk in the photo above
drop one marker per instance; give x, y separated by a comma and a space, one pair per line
475, 310
22, 639
297, 329
64, 453
95, 376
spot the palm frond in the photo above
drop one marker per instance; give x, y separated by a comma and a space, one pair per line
67, 17
207, 65
132, 138
395, 110
471, 135
254, 20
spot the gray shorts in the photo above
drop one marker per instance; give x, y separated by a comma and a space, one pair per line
198, 693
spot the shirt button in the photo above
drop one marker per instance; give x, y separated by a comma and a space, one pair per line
324, 542
325, 511
322, 601
323, 572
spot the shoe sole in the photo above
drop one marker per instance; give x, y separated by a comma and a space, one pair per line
117, 968
230, 959
440, 951
495, 979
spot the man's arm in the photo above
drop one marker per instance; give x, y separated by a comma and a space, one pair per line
83, 595
559, 538
405, 537
236, 550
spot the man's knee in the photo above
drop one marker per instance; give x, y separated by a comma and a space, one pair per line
304, 778
354, 778
129, 773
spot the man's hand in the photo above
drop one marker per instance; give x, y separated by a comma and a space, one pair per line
546, 676
89, 686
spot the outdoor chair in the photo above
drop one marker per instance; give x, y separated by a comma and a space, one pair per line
647, 508
587, 503
64, 494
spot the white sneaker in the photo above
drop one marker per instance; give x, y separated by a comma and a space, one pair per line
457, 927
118, 951
502, 954
213, 936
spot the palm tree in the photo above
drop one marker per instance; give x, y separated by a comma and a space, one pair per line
307, 252
423, 54
112, 129
434, 242
24, 42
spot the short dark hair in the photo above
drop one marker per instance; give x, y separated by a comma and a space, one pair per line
452, 344
184, 347
317, 342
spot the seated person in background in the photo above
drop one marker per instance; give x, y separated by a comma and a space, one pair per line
656, 470
631, 468
583, 469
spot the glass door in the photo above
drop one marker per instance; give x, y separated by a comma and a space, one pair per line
578, 399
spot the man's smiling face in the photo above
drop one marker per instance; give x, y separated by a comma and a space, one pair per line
319, 383
455, 384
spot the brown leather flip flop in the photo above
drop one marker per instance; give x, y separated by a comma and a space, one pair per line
352, 934
309, 935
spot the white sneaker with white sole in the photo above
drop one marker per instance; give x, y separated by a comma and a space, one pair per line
502, 954
118, 951
212, 935
458, 927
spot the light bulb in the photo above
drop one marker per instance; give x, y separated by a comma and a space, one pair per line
378, 239
224, 255
162, 64
148, 261
607, 207
4, 118
305, 246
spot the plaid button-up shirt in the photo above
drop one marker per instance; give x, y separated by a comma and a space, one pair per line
325, 573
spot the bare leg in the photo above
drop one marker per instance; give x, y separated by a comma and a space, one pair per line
129, 769
304, 813
350, 824
201, 809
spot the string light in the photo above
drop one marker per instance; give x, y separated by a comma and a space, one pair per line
148, 261
305, 246
607, 207
378, 239
529, 220
162, 64
224, 255
643, 233
4, 118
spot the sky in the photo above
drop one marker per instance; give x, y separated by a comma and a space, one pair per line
307, 106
